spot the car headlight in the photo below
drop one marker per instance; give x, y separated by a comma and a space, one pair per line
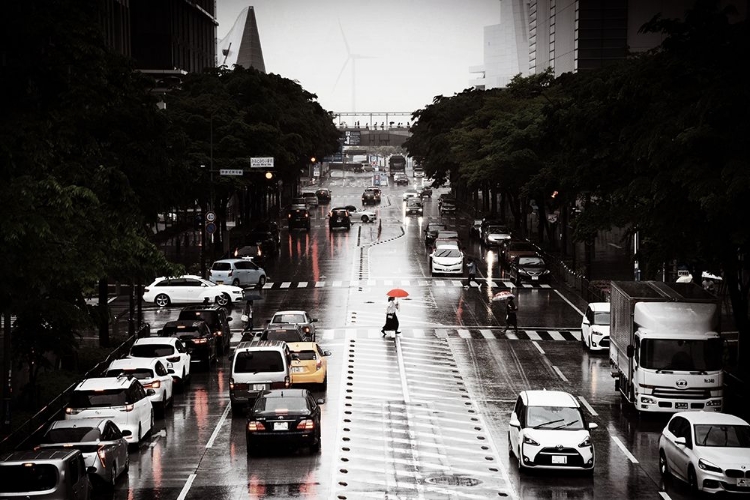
586, 443
528, 440
706, 465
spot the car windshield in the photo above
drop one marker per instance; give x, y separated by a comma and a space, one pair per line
221, 266
497, 230
601, 318
681, 354
530, 261
447, 252
258, 361
151, 350
281, 405
98, 399
139, 373
22, 478
288, 318
208, 316
72, 435
554, 417
725, 436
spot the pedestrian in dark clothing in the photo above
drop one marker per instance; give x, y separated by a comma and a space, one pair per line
471, 267
391, 320
510, 315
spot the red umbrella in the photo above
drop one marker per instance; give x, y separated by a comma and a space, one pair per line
504, 295
398, 293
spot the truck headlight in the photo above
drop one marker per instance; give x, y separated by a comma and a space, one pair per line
648, 401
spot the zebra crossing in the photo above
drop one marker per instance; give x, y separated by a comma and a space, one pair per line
497, 333
434, 283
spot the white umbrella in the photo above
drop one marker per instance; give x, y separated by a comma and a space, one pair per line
504, 295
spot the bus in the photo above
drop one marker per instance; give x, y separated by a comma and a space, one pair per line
397, 164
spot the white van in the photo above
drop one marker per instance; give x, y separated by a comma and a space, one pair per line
258, 366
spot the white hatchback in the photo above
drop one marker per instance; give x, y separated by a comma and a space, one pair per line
190, 289
170, 350
549, 431
709, 451
595, 327
152, 373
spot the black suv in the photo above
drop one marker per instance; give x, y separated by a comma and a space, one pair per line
431, 232
425, 192
217, 320
196, 335
339, 218
299, 218
371, 196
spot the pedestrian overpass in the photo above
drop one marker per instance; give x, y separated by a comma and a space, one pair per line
374, 128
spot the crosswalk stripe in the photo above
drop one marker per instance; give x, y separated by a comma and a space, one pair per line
487, 334
320, 284
532, 335
511, 336
457, 283
440, 283
419, 333
464, 334
556, 335
286, 284
302, 284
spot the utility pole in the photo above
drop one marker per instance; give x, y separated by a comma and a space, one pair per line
7, 374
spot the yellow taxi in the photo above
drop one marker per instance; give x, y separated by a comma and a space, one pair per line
309, 364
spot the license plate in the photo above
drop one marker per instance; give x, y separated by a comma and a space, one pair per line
338, 219
559, 459
297, 369
259, 387
743, 483
681, 405
281, 426
534, 278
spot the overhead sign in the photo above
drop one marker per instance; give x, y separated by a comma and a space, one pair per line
231, 171
352, 137
261, 162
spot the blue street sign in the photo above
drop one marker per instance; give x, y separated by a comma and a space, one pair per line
210, 228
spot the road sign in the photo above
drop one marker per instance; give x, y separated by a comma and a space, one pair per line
261, 162
352, 137
231, 171
210, 228
210, 216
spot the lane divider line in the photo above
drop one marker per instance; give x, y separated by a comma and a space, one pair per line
588, 406
664, 495
218, 427
624, 450
538, 347
569, 302
402, 369
560, 374
186, 488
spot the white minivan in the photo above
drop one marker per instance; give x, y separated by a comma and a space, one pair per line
258, 366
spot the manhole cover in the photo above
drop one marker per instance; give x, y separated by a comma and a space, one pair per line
453, 480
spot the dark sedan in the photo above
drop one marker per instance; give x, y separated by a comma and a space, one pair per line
528, 268
284, 417
196, 335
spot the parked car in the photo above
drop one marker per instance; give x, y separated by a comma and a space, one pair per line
709, 451
121, 399
190, 289
371, 196
414, 207
152, 373
239, 272
595, 327
447, 260
300, 318
289, 417
299, 218
197, 337
338, 218
324, 195
528, 268
99, 440
168, 350
548, 430
257, 367
54, 474
361, 214
510, 250
217, 320
309, 363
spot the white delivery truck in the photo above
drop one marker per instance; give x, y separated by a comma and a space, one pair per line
665, 349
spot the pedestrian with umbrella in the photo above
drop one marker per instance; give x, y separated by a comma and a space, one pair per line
510, 314
391, 318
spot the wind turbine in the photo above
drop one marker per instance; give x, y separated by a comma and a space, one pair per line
353, 59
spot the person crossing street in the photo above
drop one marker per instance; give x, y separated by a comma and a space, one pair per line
391, 319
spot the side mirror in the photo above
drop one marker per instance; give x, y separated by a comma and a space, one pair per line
680, 441
327, 353
630, 351
91, 470
150, 392
126, 433
593, 425
229, 318
314, 320
170, 371
514, 422
320, 401
586, 321
189, 350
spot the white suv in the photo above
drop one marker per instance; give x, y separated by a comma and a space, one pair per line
548, 431
168, 350
152, 373
121, 399
258, 366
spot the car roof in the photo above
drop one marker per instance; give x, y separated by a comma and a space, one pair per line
156, 340
184, 323
125, 363
78, 422
104, 383
704, 417
302, 346
285, 393
260, 345
599, 306
550, 398
289, 312
40, 455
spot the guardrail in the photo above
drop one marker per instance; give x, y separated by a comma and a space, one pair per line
52, 410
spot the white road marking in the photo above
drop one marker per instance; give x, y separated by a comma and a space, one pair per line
532, 335
218, 427
556, 335
560, 374
487, 334
286, 284
404, 282
538, 347
457, 283
388, 282
664, 495
439, 283
320, 284
464, 334
418, 333
569, 302
588, 406
513, 336
545, 285
269, 284
186, 488
624, 450
336, 283
302, 284
402, 370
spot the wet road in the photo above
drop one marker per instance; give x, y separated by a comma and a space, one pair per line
421, 416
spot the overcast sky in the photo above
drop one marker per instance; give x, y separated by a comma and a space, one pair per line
416, 49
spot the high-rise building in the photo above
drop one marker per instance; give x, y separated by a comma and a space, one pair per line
241, 46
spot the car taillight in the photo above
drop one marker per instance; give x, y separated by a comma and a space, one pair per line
289, 216
287, 382
254, 426
307, 329
102, 456
153, 385
200, 341
306, 425
72, 411
129, 407
218, 333
146, 290
319, 364
173, 359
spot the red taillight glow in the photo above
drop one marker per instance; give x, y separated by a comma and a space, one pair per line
102, 456
129, 407
306, 425
153, 385
200, 341
319, 364
287, 382
255, 426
